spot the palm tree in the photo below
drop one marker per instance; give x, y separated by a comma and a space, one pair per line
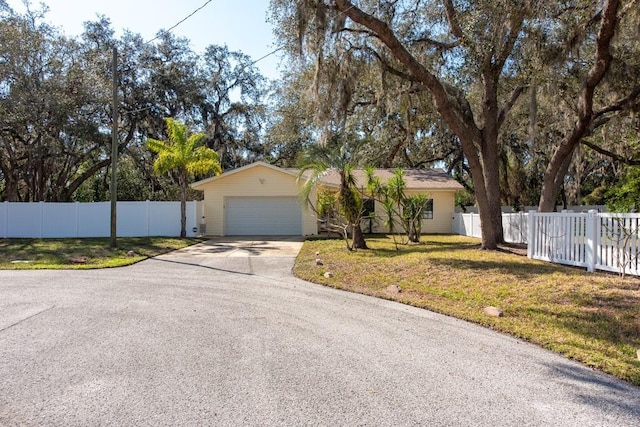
318, 161
392, 195
183, 154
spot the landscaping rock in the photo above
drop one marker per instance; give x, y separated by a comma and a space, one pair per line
394, 289
78, 260
131, 254
328, 275
493, 312
638, 354
319, 261
317, 253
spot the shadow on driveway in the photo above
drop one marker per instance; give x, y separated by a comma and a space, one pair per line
243, 246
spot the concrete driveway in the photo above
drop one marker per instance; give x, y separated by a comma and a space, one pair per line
265, 255
221, 342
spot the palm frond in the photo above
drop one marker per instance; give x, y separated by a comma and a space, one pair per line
176, 130
166, 161
156, 146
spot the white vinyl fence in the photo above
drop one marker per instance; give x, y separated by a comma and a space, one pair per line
60, 220
515, 226
593, 240
596, 241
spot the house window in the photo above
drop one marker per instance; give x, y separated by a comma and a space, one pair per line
369, 208
427, 213
368, 214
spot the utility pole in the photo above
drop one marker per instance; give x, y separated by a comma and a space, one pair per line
114, 152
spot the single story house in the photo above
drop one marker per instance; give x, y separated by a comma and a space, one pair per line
262, 199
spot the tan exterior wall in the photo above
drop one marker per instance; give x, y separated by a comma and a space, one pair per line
443, 210
258, 181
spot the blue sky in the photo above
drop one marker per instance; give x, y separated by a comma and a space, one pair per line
240, 24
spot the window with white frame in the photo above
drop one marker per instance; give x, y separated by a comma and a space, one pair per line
427, 213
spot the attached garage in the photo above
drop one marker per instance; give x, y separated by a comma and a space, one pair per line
263, 216
255, 200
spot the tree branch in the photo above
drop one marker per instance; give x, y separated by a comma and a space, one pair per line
437, 44
450, 11
388, 67
625, 103
509, 105
435, 159
614, 156
356, 31
514, 31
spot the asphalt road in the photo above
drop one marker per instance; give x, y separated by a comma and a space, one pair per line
238, 341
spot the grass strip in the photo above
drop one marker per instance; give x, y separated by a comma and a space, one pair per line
31, 254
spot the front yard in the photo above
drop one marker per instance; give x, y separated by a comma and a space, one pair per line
593, 318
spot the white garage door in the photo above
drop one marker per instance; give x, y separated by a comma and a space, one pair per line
263, 216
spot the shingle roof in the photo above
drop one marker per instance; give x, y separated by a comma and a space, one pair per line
416, 179
432, 179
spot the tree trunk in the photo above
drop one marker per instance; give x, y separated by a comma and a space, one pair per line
490, 160
10, 184
491, 223
554, 176
358, 241
486, 183
183, 204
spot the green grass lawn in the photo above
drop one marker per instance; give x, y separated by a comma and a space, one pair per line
593, 318
83, 253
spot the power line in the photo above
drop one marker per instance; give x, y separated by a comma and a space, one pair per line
180, 22
273, 52
267, 55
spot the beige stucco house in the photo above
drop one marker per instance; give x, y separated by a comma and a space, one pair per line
262, 199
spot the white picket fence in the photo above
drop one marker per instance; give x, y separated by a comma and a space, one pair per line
514, 225
593, 240
596, 241
60, 220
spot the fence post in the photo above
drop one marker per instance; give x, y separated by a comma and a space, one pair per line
531, 233
77, 219
41, 205
592, 240
6, 219
473, 226
148, 216
520, 227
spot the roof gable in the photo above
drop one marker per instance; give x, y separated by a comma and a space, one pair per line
199, 184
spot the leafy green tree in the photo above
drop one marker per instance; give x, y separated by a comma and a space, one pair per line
314, 165
183, 155
625, 195
52, 115
290, 129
